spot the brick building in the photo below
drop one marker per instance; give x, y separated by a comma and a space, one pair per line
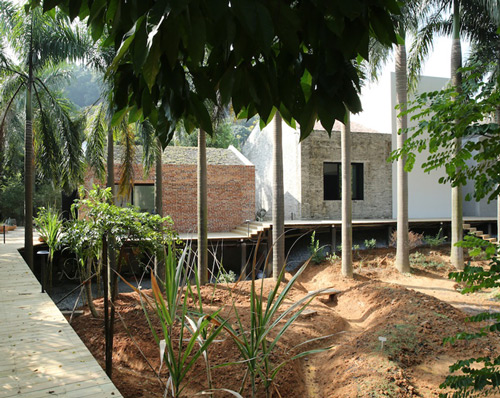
231, 188
312, 175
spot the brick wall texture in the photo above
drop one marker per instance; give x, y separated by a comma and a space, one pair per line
231, 194
371, 149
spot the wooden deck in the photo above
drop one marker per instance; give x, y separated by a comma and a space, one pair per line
41, 355
250, 230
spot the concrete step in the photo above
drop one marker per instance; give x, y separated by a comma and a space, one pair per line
484, 236
478, 233
466, 226
492, 240
472, 230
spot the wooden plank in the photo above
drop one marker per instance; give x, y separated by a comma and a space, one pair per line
42, 356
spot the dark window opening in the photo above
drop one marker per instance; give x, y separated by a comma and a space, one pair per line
332, 181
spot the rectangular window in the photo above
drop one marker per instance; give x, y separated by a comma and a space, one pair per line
141, 195
332, 181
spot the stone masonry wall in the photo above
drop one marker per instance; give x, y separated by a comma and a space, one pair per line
371, 149
231, 194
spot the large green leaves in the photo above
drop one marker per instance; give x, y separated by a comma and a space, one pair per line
261, 55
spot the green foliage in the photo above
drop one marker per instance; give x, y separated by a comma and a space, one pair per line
185, 336
10, 192
295, 57
418, 258
49, 224
332, 258
225, 277
476, 375
445, 115
437, 240
370, 243
316, 252
268, 324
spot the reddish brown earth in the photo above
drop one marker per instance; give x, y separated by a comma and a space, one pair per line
413, 312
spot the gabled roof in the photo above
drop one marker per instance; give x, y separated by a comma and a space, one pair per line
355, 127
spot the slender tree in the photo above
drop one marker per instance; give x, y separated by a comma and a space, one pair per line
345, 135
278, 206
202, 208
402, 250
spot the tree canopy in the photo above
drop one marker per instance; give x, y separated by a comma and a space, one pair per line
260, 55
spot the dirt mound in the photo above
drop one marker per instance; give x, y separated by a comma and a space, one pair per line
412, 361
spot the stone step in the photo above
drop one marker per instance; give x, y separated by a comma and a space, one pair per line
492, 240
484, 236
466, 226
478, 233
472, 230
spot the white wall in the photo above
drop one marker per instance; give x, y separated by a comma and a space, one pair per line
259, 150
426, 197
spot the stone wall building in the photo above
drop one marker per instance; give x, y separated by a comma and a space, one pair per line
312, 172
231, 188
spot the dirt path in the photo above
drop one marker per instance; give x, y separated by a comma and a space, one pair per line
445, 289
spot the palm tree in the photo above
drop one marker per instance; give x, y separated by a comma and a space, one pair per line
467, 19
41, 41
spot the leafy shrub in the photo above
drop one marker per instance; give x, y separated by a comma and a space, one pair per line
371, 243
476, 376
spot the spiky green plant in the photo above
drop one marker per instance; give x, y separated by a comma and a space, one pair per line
49, 225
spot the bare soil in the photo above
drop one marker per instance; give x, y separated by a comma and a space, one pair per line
413, 312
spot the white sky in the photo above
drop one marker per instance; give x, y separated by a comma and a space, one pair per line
376, 97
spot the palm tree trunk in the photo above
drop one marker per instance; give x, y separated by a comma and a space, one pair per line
345, 137
278, 200
159, 264
202, 208
402, 250
457, 254
28, 164
159, 182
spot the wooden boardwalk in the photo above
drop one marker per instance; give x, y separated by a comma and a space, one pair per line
40, 354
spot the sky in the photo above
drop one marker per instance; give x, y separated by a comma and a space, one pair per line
376, 97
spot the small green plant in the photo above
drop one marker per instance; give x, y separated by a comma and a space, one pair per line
418, 258
370, 243
437, 240
225, 277
317, 254
49, 224
332, 257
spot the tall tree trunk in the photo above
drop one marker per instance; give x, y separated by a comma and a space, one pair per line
159, 264
497, 121
402, 250
159, 181
457, 253
202, 208
28, 164
278, 200
345, 138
